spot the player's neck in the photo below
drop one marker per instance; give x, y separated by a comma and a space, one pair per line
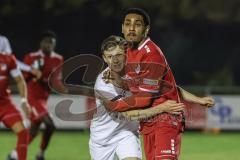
48, 53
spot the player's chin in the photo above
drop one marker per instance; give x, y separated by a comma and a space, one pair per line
117, 69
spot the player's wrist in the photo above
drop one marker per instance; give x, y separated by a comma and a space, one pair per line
23, 100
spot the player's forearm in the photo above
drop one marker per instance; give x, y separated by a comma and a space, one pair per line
21, 86
59, 86
24, 67
140, 100
187, 96
141, 114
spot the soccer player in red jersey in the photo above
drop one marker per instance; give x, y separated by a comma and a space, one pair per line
5, 48
46, 60
9, 115
150, 78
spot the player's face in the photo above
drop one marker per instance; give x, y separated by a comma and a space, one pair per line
48, 44
115, 59
133, 28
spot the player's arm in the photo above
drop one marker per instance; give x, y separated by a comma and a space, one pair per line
168, 106
204, 101
23, 93
27, 68
136, 101
56, 80
21, 85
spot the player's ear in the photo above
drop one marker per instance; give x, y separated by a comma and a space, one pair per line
104, 58
146, 31
122, 28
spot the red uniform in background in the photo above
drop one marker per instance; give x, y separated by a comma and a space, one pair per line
9, 115
147, 71
38, 90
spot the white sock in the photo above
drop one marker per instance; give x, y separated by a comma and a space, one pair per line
14, 154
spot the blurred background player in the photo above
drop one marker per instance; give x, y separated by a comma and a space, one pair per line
5, 48
9, 115
113, 135
45, 60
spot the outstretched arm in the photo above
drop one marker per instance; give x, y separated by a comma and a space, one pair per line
204, 101
168, 106
139, 100
23, 93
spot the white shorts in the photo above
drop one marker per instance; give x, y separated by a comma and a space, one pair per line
129, 146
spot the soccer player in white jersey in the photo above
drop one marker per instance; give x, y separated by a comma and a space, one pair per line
5, 48
113, 136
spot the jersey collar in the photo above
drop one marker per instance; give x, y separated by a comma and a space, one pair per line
144, 43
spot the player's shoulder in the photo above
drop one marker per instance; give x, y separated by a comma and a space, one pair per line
34, 54
100, 83
7, 56
2, 37
149, 48
99, 80
57, 56
151, 52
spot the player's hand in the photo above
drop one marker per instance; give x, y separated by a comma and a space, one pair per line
107, 76
26, 108
37, 73
207, 101
171, 107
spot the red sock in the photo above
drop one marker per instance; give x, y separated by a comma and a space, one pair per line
22, 144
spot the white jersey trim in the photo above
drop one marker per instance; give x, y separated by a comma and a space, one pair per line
24, 67
148, 90
15, 72
144, 43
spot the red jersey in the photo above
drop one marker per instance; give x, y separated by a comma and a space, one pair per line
148, 71
47, 64
8, 66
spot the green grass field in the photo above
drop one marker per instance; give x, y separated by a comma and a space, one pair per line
74, 146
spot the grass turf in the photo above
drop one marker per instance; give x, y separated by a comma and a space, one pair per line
74, 146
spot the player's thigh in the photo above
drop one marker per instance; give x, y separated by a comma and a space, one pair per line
99, 152
13, 119
167, 141
39, 110
129, 148
149, 145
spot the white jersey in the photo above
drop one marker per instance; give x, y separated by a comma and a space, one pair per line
5, 45
5, 48
105, 127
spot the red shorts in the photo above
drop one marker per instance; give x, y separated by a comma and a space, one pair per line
39, 109
164, 142
9, 115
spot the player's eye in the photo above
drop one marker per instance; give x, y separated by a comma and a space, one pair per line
138, 24
127, 24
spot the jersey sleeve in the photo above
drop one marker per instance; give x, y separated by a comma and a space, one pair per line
113, 104
136, 101
56, 78
157, 69
14, 70
28, 61
149, 74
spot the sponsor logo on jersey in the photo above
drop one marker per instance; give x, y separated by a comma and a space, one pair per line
152, 82
166, 151
147, 49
